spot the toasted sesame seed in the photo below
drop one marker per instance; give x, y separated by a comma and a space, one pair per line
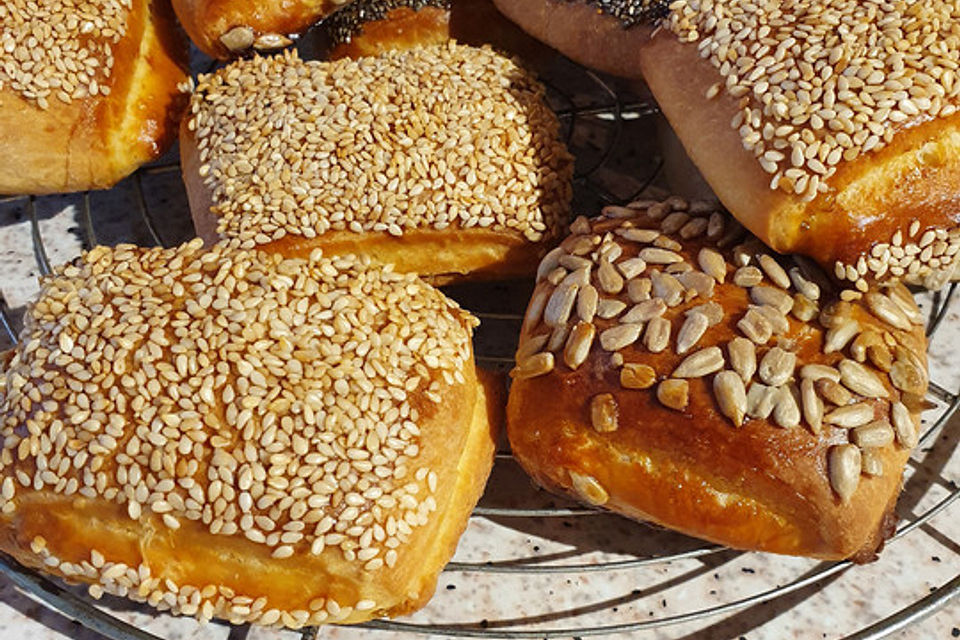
589, 488
701, 363
603, 412
674, 394
731, 396
533, 366
71, 47
843, 465
578, 344
637, 376
620, 336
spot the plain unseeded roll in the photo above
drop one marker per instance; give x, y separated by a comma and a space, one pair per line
237, 435
699, 381
86, 96
443, 160
227, 28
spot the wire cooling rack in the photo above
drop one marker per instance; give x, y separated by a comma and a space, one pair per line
587, 572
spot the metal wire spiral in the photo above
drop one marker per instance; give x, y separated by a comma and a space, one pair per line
595, 131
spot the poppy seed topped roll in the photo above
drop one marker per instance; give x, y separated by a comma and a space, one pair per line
704, 383
370, 27
232, 434
443, 160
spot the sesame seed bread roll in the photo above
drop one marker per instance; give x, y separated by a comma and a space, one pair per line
370, 27
443, 160
701, 382
833, 134
236, 435
829, 130
88, 91
225, 29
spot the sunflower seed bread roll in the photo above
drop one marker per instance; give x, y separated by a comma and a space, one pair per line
225, 29
443, 160
88, 91
701, 382
231, 434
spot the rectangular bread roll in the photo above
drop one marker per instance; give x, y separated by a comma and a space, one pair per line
699, 381
837, 142
94, 97
443, 160
237, 435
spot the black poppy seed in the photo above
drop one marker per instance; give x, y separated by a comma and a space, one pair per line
632, 12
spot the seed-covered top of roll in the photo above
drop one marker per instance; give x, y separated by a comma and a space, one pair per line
60, 51
278, 401
433, 137
827, 81
670, 298
631, 12
345, 23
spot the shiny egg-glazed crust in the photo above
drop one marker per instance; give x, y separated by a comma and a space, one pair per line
701, 382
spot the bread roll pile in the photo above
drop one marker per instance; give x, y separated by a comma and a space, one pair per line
273, 424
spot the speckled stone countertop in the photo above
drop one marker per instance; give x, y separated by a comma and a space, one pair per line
574, 600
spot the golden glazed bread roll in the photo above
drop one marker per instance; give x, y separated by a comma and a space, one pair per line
88, 91
370, 27
701, 382
237, 435
828, 129
832, 133
227, 28
443, 160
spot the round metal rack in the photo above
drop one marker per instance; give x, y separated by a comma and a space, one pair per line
568, 552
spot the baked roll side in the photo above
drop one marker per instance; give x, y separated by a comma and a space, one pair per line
587, 31
156, 96
871, 202
227, 28
765, 492
689, 370
66, 138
